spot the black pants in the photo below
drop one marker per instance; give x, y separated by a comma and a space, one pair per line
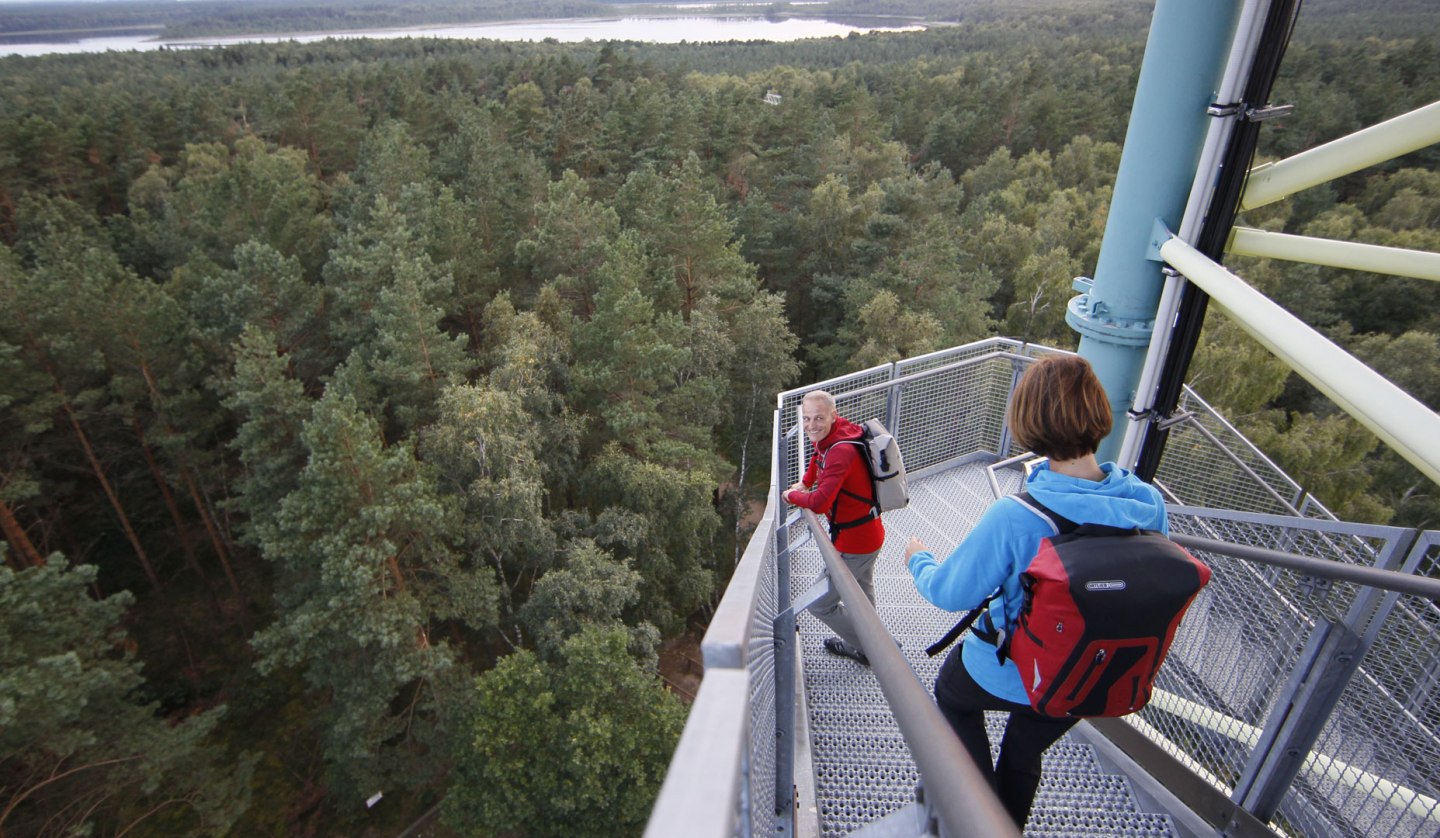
1016, 774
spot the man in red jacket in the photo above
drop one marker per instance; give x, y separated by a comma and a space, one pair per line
837, 484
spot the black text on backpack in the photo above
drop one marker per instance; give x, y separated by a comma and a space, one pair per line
889, 487
1101, 607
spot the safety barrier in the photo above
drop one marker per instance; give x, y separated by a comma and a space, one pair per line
1311, 702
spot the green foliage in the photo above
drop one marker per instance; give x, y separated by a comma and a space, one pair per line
589, 588
271, 409
416, 353
366, 565
1233, 372
569, 241
1408, 361
80, 751
216, 199
488, 455
662, 520
1326, 456
577, 746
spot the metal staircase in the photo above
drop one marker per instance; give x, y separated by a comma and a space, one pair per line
862, 767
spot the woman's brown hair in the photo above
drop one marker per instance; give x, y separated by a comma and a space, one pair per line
1059, 409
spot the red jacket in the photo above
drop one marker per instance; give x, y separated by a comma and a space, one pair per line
835, 467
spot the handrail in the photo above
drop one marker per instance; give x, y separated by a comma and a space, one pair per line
1398, 418
953, 784
911, 377
1374, 577
1270, 182
705, 781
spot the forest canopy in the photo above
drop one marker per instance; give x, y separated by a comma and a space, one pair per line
373, 413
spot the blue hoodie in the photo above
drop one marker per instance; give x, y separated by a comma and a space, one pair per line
1004, 540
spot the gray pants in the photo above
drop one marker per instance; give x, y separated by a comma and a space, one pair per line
832, 611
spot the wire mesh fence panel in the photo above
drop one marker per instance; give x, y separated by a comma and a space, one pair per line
1413, 633
954, 413
760, 660
1207, 462
1376, 766
1371, 771
1219, 682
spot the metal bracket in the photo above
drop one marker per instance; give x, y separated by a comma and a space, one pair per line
1165, 423
1267, 112
1219, 110
811, 596
1159, 235
1315, 587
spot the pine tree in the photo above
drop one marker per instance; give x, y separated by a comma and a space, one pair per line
79, 752
214, 200
686, 234
364, 567
569, 242
60, 307
271, 407
662, 520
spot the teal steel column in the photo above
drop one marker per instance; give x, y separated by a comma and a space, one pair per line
1184, 62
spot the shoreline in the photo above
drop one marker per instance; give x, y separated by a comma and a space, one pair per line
650, 26
896, 22
673, 13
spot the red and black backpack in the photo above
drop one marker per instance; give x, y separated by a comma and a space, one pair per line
1101, 606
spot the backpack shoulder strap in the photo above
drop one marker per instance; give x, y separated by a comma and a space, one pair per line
1059, 523
872, 514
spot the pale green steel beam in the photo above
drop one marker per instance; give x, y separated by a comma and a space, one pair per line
1269, 182
1395, 261
1401, 421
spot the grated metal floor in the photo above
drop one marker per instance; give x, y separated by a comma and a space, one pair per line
862, 767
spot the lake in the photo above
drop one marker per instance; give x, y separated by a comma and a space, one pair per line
661, 30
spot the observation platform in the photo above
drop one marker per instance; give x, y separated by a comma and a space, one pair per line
1301, 696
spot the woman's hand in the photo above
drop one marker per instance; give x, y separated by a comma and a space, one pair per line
914, 546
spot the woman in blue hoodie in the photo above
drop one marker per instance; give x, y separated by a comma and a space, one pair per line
1059, 411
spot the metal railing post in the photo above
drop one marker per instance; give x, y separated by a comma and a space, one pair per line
785, 651
892, 402
1017, 369
1332, 657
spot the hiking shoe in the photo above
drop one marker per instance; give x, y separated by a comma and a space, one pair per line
836, 646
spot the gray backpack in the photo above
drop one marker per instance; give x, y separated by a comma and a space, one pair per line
888, 487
